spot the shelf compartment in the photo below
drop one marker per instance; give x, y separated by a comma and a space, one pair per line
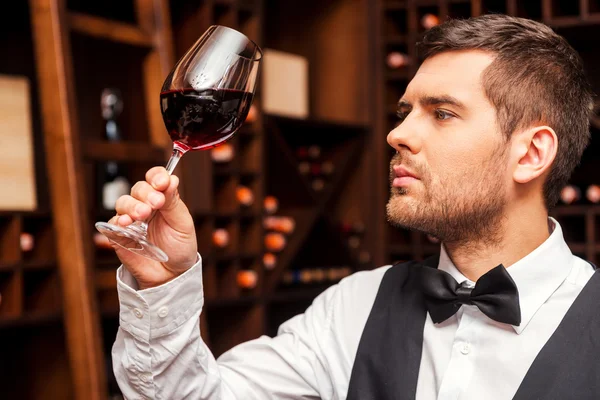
10, 231
251, 236
227, 286
11, 289
44, 246
114, 10
41, 291
99, 64
126, 151
242, 321
459, 10
565, 8
573, 227
109, 30
395, 22
250, 153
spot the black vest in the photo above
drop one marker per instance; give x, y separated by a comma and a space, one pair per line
389, 353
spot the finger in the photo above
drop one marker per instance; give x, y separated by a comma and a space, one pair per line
144, 192
158, 177
174, 210
113, 220
172, 194
136, 209
124, 220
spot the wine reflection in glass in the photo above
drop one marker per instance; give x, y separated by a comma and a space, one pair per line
204, 101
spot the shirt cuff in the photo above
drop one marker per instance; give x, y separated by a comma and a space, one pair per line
157, 311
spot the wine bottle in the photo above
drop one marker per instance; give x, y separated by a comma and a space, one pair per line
222, 153
269, 261
592, 194
364, 257
114, 183
247, 279
275, 242
429, 20
353, 228
327, 168
312, 152
318, 184
27, 242
397, 60
570, 194
271, 204
220, 238
285, 225
244, 196
304, 168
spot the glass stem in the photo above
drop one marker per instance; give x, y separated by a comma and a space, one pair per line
142, 226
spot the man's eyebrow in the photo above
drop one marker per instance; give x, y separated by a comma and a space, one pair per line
428, 101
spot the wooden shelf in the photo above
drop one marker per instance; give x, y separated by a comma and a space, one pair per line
295, 295
403, 75
392, 5
397, 40
28, 320
232, 302
109, 30
314, 123
39, 265
129, 151
576, 209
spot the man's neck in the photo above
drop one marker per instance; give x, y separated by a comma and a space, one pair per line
519, 235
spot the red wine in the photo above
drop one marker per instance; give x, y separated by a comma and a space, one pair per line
202, 120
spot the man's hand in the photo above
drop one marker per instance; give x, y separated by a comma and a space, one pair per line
171, 229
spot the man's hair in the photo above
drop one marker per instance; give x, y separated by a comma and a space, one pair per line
536, 77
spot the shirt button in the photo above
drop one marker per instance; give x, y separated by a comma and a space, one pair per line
465, 348
138, 313
144, 378
163, 312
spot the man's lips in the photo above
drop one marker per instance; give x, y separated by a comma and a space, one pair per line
403, 176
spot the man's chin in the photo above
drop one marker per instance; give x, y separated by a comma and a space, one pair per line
400, 211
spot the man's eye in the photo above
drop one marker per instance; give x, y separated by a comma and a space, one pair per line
401, 115
443, 115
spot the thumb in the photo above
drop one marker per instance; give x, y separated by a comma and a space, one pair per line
174, 211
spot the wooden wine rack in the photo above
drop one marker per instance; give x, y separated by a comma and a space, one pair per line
59, 308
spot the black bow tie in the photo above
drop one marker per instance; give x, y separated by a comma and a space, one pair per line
495, 294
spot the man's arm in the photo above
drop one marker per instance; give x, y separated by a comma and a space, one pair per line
159, 353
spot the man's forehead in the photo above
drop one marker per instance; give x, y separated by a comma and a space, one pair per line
455, 72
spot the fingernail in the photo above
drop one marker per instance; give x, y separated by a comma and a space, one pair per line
159, 180
154, 198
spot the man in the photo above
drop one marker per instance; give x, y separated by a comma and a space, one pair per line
493, 124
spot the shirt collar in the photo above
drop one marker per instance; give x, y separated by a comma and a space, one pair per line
537, 275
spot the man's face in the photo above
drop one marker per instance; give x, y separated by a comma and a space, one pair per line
450, 141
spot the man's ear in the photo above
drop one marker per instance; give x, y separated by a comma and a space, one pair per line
535, 150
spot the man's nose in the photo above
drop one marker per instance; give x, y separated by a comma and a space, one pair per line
407, 135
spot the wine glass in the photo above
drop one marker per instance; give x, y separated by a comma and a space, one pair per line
204, 101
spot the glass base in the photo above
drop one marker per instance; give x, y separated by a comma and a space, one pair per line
131, 240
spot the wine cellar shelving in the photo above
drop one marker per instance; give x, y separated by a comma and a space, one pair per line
285, 210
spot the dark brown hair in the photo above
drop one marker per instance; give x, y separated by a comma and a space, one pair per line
536, 77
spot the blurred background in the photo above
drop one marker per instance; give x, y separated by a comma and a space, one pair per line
291, 205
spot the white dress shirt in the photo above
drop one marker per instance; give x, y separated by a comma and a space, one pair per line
159, 354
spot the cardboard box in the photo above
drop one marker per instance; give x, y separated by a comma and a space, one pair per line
285, 84
17, 168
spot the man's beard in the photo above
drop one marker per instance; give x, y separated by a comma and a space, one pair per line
459, 212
